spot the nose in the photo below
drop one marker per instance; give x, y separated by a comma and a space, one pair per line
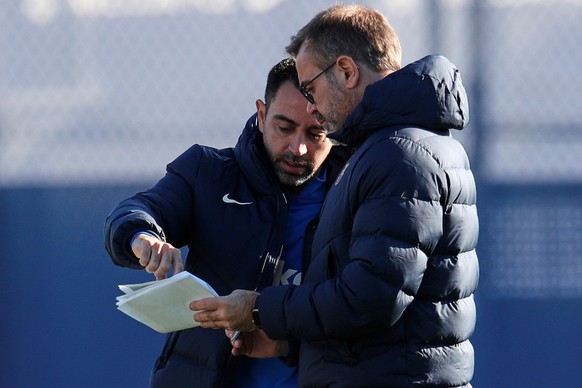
298, 146
311, 108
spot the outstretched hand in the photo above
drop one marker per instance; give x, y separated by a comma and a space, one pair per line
232, 312
156, 256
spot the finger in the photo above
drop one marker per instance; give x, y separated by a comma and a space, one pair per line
171, 260
166, 257
205, 304
142, 251
212, 324
211, 319
155, 258
238, 350
178, 264
208, 318
141, 248
144, 260
238, 345
203, 319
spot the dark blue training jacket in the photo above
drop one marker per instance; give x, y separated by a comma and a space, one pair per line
228, 242
388, 297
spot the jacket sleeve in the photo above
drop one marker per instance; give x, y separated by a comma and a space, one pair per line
396, 222
164, 210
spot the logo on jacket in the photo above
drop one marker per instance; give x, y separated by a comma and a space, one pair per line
227, 199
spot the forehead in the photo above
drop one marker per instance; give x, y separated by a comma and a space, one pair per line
306, 67
289, 102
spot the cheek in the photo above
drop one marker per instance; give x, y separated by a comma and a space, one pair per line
320, 154
279, 147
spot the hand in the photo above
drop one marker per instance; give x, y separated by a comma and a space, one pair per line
156, 256
232, 312
256, 344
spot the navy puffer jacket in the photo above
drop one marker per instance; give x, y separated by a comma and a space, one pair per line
388, 297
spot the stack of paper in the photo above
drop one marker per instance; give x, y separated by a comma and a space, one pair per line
163, 304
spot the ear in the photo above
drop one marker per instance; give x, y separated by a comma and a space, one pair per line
261, 114
349, 70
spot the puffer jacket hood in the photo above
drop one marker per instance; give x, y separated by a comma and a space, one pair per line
427, 93
251, 156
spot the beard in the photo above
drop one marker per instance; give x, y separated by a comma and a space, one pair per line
294, 180
339, 105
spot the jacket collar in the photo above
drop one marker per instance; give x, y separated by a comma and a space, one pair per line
427, 93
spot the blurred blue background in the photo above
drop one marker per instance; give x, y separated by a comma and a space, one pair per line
97, 96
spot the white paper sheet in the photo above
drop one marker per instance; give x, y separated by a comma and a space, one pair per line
163, 304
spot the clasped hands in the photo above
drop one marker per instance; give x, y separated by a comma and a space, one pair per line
234, 313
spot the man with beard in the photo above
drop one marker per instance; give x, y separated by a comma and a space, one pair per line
387, 300
245, 214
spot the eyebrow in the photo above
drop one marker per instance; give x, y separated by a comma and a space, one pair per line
292, 122
285, 118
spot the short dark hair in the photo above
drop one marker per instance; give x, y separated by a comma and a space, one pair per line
357, 31
284, 71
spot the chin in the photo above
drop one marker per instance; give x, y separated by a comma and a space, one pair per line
295, 181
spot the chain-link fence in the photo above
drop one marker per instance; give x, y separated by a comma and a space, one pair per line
107, 92
97, 91
527, 112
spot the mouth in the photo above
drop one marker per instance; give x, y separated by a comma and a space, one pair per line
293, 168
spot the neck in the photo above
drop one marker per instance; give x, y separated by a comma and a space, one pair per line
370, 76
293, 191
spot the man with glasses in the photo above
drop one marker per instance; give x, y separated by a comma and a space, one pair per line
387, 299
246, 215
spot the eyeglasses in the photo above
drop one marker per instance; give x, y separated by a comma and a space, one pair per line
306, 93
